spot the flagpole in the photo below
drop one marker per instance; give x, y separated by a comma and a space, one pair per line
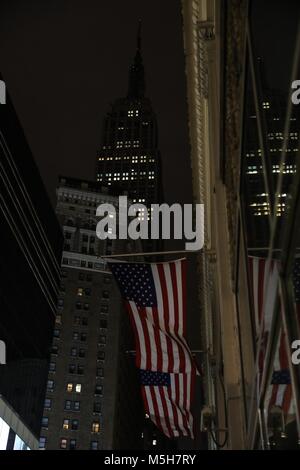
155, 253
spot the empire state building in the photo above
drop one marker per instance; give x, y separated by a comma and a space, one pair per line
129, 159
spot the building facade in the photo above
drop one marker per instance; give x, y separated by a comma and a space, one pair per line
29, 272
93, 398
244, 151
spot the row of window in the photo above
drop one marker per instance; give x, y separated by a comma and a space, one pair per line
70, 444
71, 424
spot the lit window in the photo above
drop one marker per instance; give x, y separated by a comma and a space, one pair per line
80, 291
95, 426
63, 443
66, 424
69, 387
78, 388
58, 319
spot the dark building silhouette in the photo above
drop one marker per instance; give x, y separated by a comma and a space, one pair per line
29, 272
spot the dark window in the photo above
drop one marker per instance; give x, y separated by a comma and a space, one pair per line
84, 321
98, 389
107, 279
81, 352
104, 308
76, 405
47, 403
60, 303
50, 385
86, 306
42, 443
54, 350
81, 276
78, 305
52, 366
94, 445
101, 355
87, 291
105, 294
80, 370
72, 445
64, 274
100, 372
83, 337
102, 339
89, 277
76, 320
75, 424
103, 323
72, 368
68, 404
56, 333
68, 235
45, 422
76, 335
74, 352
97, 407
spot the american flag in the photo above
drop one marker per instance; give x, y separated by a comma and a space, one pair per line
166, 403
155, 298
265, 277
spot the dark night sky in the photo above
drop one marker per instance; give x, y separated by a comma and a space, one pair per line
65, 61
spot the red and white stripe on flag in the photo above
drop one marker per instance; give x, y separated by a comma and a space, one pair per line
170, 407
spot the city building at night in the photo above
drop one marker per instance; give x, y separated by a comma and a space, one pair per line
93, 395
29, 272
129, 158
